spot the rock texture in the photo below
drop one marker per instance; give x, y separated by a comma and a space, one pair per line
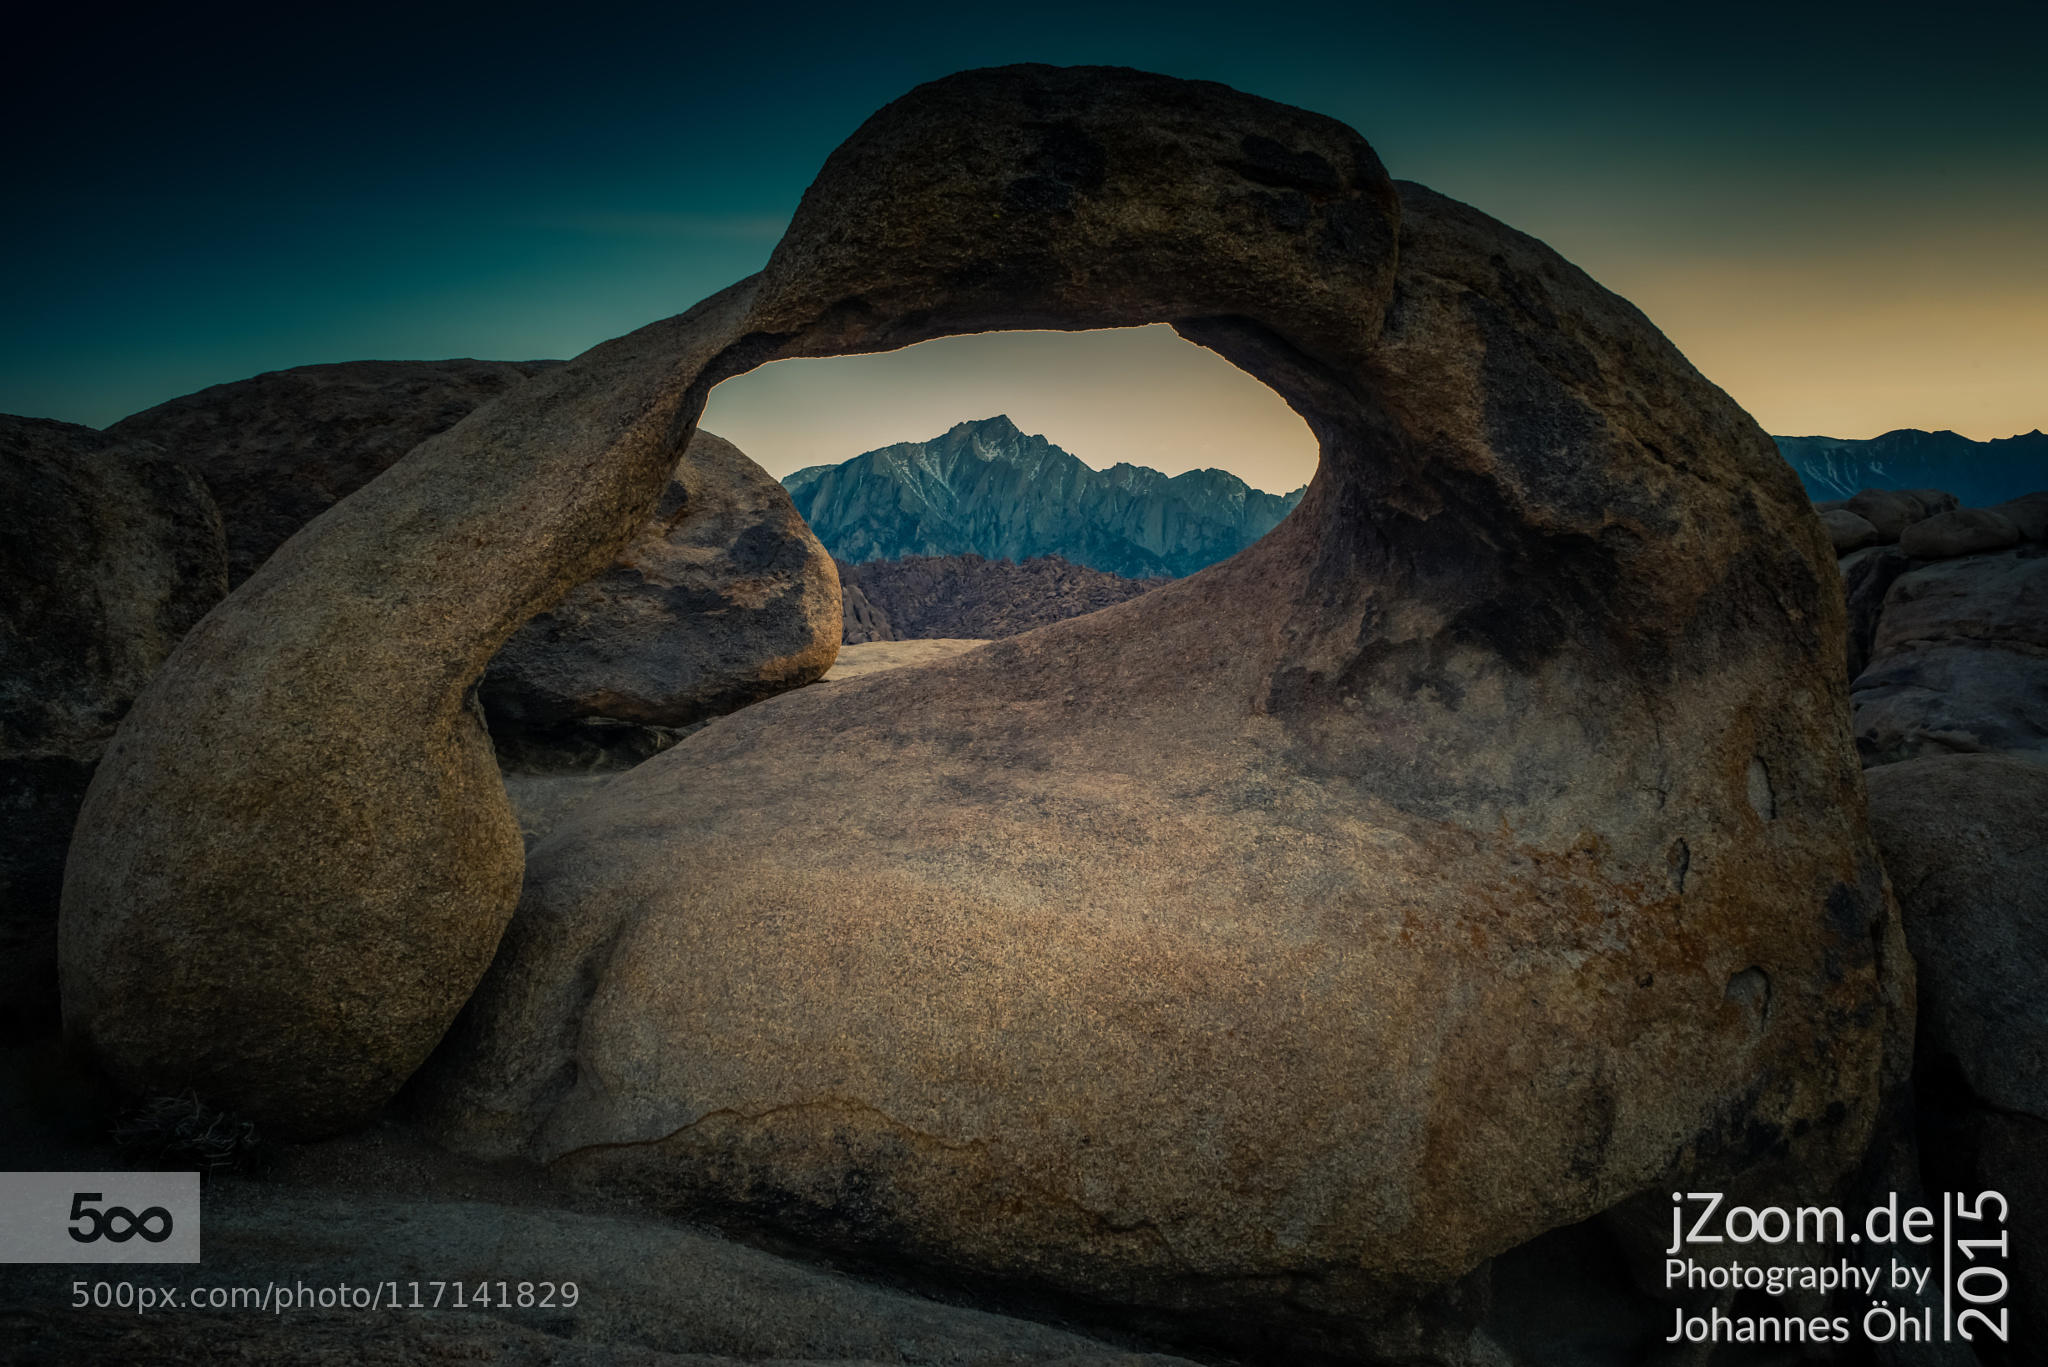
966, 596
1888, 511
1846, 531
1477, 849
1959, 662
279, 449
724, 598
109, 552
1962, 840
1963, 531
985, 488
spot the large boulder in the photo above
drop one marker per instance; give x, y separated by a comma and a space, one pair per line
1963, 531
109, 552
724, 598
1846, 531
2028, 514
1889, 511
1959, 662
280, 448
1479, 848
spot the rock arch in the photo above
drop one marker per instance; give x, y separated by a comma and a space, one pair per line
1302, 933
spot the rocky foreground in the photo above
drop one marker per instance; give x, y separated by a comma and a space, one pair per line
930, 597
1338, 954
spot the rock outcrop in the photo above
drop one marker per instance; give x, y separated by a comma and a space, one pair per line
1479, 848
280, 448
297, 856
861, 620
1846, 531
109, 552
1888, 512
965, 596
1959, 660
2028, 513
1962, 531
985, 488
724, 598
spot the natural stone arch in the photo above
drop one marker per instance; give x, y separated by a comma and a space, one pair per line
1465, 753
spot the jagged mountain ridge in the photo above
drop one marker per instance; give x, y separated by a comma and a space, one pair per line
985, 488
1978, 473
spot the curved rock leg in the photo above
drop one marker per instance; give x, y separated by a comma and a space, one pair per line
296, 858
1480, 848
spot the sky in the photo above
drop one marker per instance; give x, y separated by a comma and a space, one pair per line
1840, 213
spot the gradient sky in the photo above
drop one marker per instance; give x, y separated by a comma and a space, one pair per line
1840, 213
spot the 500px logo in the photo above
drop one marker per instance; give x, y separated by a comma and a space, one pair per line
99, 1217
117, 1223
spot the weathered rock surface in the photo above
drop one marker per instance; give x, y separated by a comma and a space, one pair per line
109, 552
1961, 836
1477, 849
1959, 663
1846, 531
540, 800
279, 449
1890, 511
1964, 531
724, 598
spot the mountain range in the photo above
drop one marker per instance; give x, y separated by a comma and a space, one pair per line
1978, 473
986, 488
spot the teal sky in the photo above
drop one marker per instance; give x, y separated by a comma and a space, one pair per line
1839, 212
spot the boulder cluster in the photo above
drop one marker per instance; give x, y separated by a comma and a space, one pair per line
1282, 961
117, 543
1947, 653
